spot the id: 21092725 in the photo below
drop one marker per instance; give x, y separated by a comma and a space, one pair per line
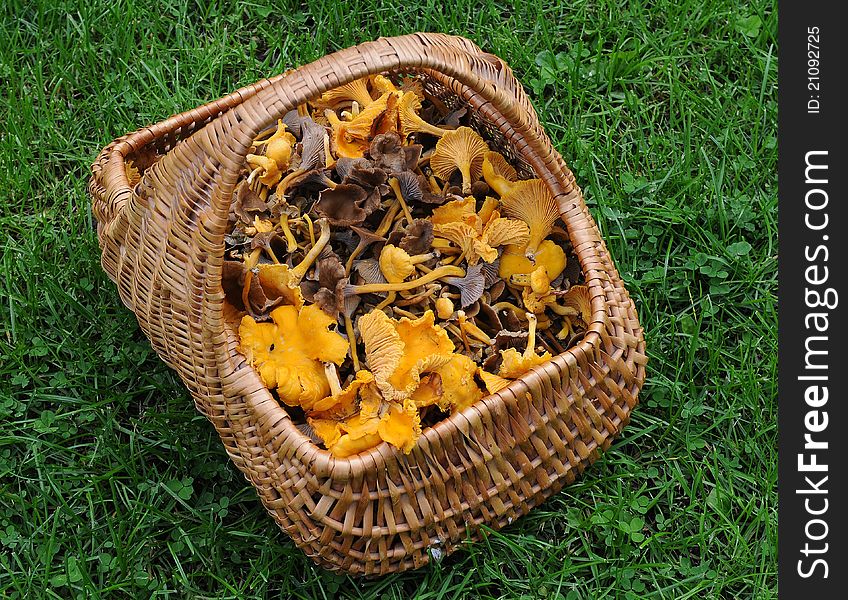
813, 57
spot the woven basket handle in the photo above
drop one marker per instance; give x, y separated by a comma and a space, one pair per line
482, 75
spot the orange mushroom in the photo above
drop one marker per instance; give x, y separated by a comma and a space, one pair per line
460, 149
531, 201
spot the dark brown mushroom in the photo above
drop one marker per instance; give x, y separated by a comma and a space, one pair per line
345, 164
388, 152
417, 237
248, 204
342, 205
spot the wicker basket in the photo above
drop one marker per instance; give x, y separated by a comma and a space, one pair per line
380, 511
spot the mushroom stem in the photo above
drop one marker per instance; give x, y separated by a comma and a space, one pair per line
298, 272
351, 338
465, 169
332, 378
462, 334
563, 311
469, 328
420, 258
388, 219
272, 255
504, 305
531, 336
291, 242
371, 288
245, 291
390, 297
310, 228
395, 185
434, 185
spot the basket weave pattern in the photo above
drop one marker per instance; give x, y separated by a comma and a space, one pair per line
380, 511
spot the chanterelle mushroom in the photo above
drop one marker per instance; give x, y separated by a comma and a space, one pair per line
289, 352
410, 122
514, 365
355, 91
549, 255
398, 352
498, 173
461, 149
531, 201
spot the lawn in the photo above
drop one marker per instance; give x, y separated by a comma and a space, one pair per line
112, 485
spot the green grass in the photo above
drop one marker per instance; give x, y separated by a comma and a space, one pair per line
111, 485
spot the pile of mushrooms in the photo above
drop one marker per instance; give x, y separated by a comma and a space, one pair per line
386, 267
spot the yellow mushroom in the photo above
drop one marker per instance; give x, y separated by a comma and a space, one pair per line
279, 146
355, 91
265, 168
498, 173
477, 244
444, 308
514, 365
489, 208
398, 352
382, 84
289, 352
459, 387
549, 255
494, 383
341, 402
352, 138
280, 280
453, 211
408, 107
396, 265
460, 149
531, 201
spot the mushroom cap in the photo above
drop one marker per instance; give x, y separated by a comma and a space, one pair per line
288, 353
500, 231
354, 91
540, 283
417, 237
279, 146
312, 153
395, 264
577, 297
444, 308
549, 254
382, 84
455, 210
515, 364
277, 281
494, 383
489, 208
269, 171
388, 152
399, 352
344, 402
532, 202
400, 426
341, 205
459, 387
477, 244
459, 149
471, 287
